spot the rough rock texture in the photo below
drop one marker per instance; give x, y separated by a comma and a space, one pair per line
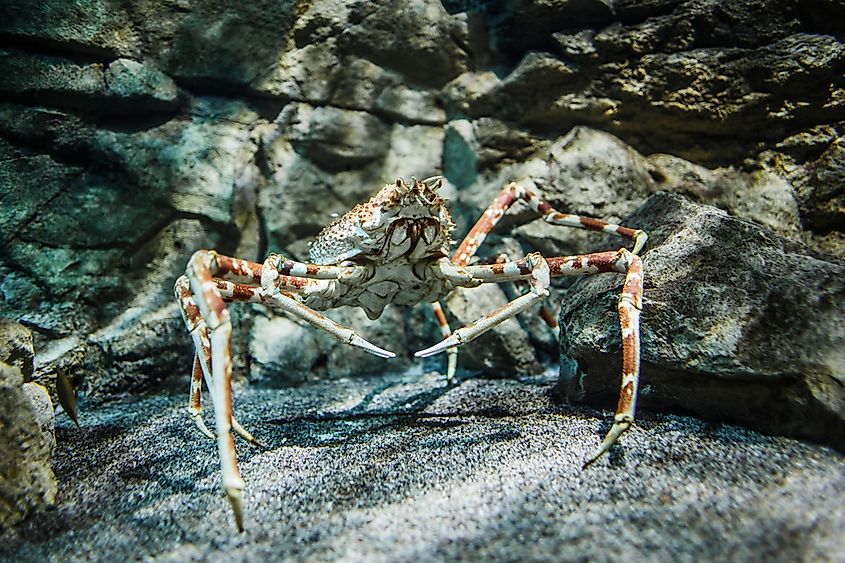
16, 347
132, 134
738, 323
27, 482
389, 468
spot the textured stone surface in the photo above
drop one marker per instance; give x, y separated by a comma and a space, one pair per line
133, 134
381, 469
27, 483
738, 323
16, 347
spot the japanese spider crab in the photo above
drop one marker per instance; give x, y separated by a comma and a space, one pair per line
392, 249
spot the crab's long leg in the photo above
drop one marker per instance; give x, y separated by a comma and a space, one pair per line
278, 264
496, 210
196, 397
230, 291
535, 200
537, 275
630, 306
446, 331
201, 268
309, 315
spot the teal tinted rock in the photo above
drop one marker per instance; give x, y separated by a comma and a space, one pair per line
91, 27
140, 84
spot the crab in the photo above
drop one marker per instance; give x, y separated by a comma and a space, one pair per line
395, 248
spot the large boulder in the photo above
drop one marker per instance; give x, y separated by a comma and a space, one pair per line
738, 324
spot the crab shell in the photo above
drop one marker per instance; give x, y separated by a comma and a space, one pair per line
402, 220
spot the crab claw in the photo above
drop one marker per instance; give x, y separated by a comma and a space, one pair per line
359, 342
451, 342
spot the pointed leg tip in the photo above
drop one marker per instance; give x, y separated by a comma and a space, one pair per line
259, 444
431, 351
236, 500
612, 436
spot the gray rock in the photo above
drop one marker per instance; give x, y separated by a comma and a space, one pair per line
508, 344
43, 411
416, 38
304, 74
738, 323
762, 196
126, 86
282, 352
821, 189
140, 85
27, 483
335, 139
16, 348
390, 468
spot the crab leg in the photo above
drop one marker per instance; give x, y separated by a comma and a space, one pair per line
309, 315
493, 214
537, 275
446, 331
534, 199
196, 397
202, 357
630, 306
277, 266
202, 266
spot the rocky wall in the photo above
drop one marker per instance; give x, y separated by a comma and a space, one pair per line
133, 134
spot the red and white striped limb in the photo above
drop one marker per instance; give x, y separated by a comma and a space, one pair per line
211, 280
623, 261
537, 275
277, 267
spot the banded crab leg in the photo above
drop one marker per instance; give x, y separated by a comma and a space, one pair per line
513, 192
202, 294
211, 309
277, 267
629, 307
534, 269
230, 291
493, 214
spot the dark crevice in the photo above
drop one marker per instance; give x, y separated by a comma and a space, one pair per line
80, 158
92, 106
71, 51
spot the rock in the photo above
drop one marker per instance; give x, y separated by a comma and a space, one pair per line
127, 85
336, 139
764, 197
543, 18
77, 26
282, 352
27, 483
416, 38
304, 74
821, 190
16, 348
507, 344
43, 411
738, 324
388, 331
518, 98
140, 85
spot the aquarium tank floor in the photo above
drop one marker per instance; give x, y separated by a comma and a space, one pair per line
403, 468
